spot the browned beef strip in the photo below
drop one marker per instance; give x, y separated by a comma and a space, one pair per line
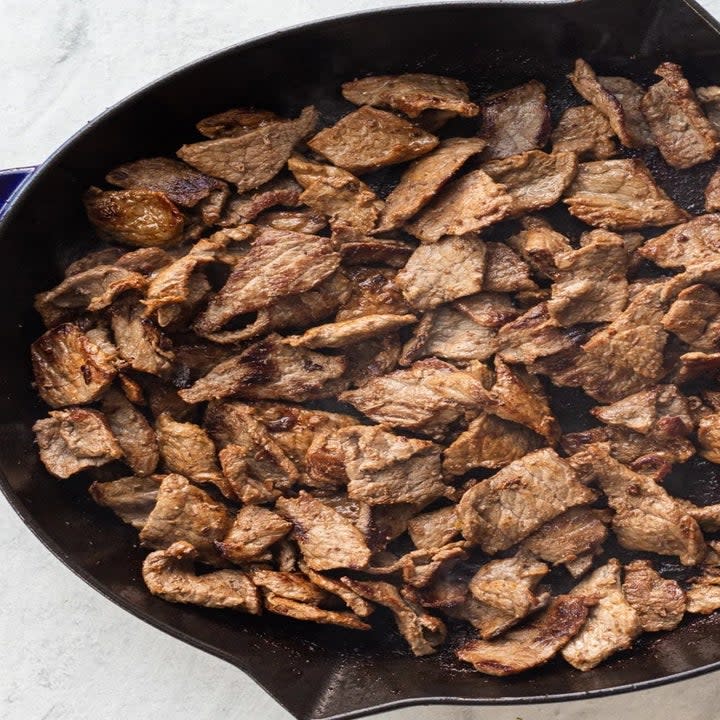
585, 131
505, 270
130, 498
373, 291
290, 585
303, 220
434, 529
357, 604
365, 250
245, 207
236, 122
703, 595
687, 246
659, 603
712, 193
245, 486
303, 611
106, 256
693, 317
540, 246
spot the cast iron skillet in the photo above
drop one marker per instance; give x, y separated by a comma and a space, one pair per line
314, 671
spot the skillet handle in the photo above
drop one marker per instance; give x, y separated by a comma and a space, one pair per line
10, 182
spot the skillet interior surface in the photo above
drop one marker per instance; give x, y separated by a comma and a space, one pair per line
314, 671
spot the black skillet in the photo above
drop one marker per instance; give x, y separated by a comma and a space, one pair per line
320, 672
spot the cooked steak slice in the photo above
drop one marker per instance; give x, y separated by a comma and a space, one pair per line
130, 498
141, 218
354, 602
646, 517
687, 246
245, 207
693, 317
185, 512
245, 487
236, 122
146, 261
505, 271
708, 436
74, 439
585, 131
424, 633
659, 603
709, 98
424, 178
277, 264
367, 139
420, 567
590, 284
253, 158
170, 574
90, 290
694, 365
346, 201
444, 271
364, 250
519, 499
620, 195
683, 134
515, 120
303, 220
533, 179
489, 442
531, 645
289, 585
703, 595
577, 533
373, 291
612, 624
181, 184
349, 332
303, 611
132, 431
468, 204
712, 193
411, 93
106, 256
372, 358
69, 368
434, 529
326, 539
707, 516
539, 247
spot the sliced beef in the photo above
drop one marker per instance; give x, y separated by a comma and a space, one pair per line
659, 603
585, 131
373, 291
540, 246
620, 195
303, 220
290, 585
303, 611
505, 270
708, 436
354, 602
688, 246
372, 358
434, 529
240, 479
130, 498
703, 595
712, 193
515, 120
364, 250
245, 207
236, 122
106, 256
693, 317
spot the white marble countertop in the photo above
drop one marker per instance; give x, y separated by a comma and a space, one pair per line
68, 653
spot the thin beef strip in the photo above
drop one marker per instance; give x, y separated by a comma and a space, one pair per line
364, 250
289, 585
303, 611
246, 207
130, 498
585, 131
236, 122
659, 603
354, 602
434, 529
703, 595
303, 220
688, 246
373, 291
540, 246
505, 270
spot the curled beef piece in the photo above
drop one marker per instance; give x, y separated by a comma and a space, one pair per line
364, 250
241, 482
443, 271
130, 498
709, 98
620, 195
236, 122
687, 246
659, 603
357, 604
289, 585
468, 204
679, 127
539, 246
303, 611
519, 499
368, 139
703, 595
424, 633
533, 179
505, 270
646, 517
424, 179
107, 256
253, 158
277, 264
326, 539
69, 368
708, 436
303, 220
245, 208
141, 218
74, 439
373, 291
531, 645
412, 94
612, 624
185, 512
433, 529
712, 193
693, 317
170, 574
515, 120
585, 131
346, 201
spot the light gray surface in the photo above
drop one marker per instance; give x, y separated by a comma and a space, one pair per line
67, 653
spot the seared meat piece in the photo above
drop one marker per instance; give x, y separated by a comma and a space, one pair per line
519, 499
687, 246
533, 179
133, 433
618, 99
253, 158
236, 122
693, 317
107, 256
590, 284
337, 194
443, 271
489, 442
424, 633
468, 204
424, 178
577, 533
278, 264
372, 358
303, 220
709, 98
169, 574
646, 517
420, 567
69, 368
74, 439
373, 291
240, 481
364, 250
303, 611
585, 131
694, 365
146, 261
683, 134
515, 120
505, 271
620, 195
185, 512
712, 193
90, 290
130, 498
326, 539
434, 529
659, 603
708, 435
703, 595
612, 624
244, 208
289, 585
368, 139
412, 94
354, 602
141, 218
540, 247
531, 645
